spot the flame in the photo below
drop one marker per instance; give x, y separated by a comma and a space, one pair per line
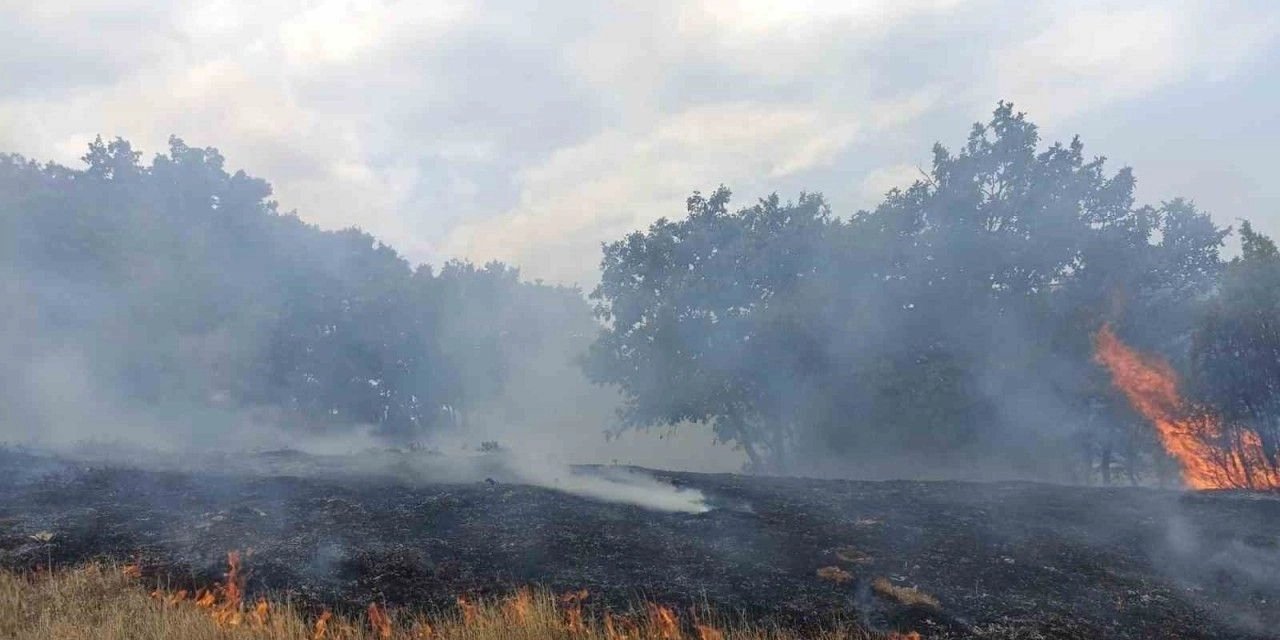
517, 608
910, 635
205, 599
322, 625
572, 604
422, 629
261, 612
470, 612
619, 628
229, 611
379, 621
177, 597
1208, 458
665, 621
708, 632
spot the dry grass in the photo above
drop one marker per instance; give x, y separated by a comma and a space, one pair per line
903, 595
111, 603
835, 574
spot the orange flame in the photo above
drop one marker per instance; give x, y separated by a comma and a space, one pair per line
618, 628
229, 612
517, 607
322, 625
177, 598
233, 590
205, 599
470, 612
379, 621
708, 632
422, 629
261, 612
572, 603
1207, 457
665, 621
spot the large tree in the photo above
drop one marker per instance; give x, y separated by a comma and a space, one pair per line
1236, 350
954, 318
703, 324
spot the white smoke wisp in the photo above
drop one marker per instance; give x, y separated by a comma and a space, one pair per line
342, 455
624, 485
620, 484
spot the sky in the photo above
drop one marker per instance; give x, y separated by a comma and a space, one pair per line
530, 132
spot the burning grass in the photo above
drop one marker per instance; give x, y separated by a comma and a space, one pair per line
111, 603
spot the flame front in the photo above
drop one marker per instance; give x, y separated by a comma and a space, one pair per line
379, 621
322, 625
1208, 457
665, 621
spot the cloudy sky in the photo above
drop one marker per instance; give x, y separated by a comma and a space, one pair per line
532, 131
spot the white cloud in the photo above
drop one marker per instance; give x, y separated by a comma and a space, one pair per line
1088, 57
492, 130
771, 16
880, 181
1091, 57
620, 181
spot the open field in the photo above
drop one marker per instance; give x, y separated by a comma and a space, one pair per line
945, 559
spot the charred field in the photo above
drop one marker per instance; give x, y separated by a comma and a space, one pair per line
1035, 559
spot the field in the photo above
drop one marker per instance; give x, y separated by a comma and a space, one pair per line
944, 559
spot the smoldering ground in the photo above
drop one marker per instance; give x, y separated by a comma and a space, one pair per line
1064, 562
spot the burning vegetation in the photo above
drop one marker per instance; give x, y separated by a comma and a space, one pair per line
105, 603
1209, 455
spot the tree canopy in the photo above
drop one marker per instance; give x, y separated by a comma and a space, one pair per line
178, 284
946, 331
954, 319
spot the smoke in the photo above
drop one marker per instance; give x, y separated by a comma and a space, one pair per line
356, 455
1238, 555
171, 306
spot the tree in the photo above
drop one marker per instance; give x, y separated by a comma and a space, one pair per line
702, 322
1235, 352
955, 318
176, 288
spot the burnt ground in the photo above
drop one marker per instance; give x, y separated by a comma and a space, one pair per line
1035, 559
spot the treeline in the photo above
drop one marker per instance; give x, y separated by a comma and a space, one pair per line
949, 330
137, 287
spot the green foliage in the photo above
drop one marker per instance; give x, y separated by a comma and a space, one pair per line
1235, 354
954, 317
179, 284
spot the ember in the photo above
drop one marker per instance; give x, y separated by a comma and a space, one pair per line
1209, 457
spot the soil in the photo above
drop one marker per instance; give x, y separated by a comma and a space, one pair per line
999, 559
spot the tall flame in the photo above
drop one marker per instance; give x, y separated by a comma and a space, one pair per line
1209, 457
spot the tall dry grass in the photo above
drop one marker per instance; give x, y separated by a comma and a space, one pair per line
97, 602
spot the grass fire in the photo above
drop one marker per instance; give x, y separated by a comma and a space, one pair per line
704, 320
96, 601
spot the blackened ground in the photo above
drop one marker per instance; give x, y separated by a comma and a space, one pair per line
1003, 560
